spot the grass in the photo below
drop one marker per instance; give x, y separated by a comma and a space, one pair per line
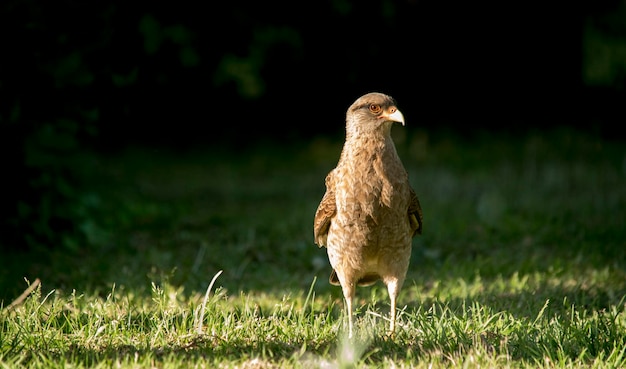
205, 259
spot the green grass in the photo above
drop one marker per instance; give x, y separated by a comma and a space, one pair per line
522, 262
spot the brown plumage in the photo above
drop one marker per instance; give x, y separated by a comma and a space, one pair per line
369, 212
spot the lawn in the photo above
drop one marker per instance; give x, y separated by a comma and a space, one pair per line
205, 258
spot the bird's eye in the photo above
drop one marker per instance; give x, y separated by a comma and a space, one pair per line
375, 108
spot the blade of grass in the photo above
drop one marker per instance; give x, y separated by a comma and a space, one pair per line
206, 298
24, 295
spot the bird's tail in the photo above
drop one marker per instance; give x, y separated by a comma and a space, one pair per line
364, 281
333, 279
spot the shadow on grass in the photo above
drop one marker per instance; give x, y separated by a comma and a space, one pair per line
549, 209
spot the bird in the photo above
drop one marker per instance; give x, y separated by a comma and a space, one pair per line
369, 213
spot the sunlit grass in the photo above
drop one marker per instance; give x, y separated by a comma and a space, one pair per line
207, 260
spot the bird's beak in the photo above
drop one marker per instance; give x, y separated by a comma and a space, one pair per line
396, 116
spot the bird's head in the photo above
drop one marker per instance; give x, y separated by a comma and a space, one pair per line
373, 111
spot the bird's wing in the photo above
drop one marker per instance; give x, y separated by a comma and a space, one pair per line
415, 214
325, 213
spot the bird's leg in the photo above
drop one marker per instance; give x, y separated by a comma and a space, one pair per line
392, 317
348, 294
350, 324
392, 287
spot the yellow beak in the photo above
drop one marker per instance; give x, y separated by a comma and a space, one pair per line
396, 116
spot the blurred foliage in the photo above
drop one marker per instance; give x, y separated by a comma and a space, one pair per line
46, 206
604, 48
81, 76
154, 35
48, 117
245, 71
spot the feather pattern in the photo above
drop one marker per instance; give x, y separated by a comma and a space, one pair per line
369, 212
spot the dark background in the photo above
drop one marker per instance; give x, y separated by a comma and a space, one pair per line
107, 75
